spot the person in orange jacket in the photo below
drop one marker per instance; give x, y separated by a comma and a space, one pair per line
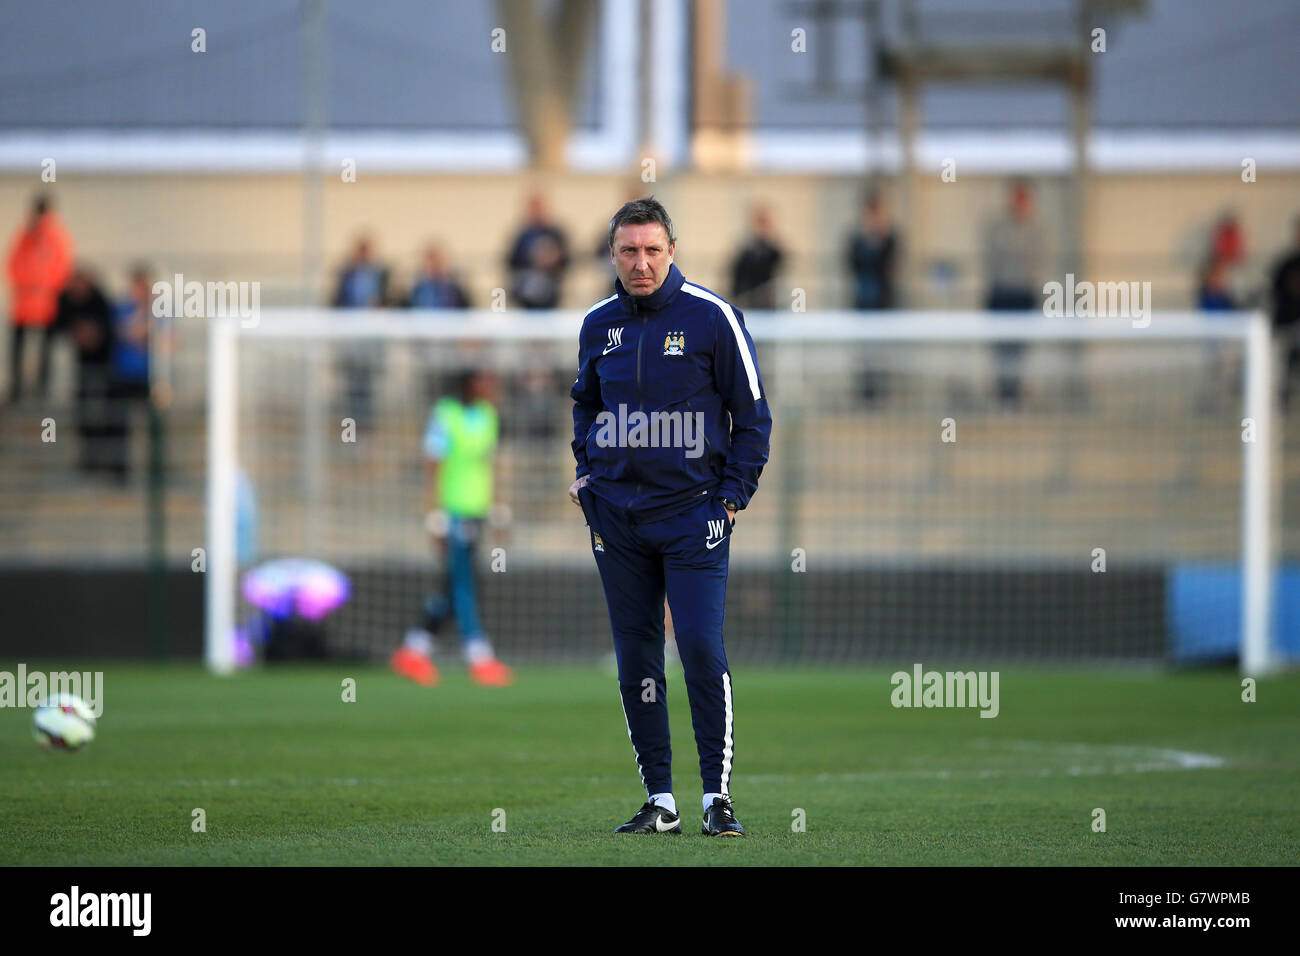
40, 260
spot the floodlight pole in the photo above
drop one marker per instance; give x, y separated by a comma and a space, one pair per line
315, 119
315, 85
1079, 82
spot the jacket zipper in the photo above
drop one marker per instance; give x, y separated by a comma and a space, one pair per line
707, 446
640, 400
691, 409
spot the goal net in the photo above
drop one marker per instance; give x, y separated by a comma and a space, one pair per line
940, 486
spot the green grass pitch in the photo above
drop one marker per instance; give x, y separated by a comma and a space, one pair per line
288, 773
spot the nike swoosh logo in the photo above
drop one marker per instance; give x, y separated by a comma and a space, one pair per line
609, 349
659, 825
714, 544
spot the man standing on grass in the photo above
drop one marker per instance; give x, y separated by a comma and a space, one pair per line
671, 430
460, 444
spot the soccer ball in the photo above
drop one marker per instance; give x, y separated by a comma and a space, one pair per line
64, 723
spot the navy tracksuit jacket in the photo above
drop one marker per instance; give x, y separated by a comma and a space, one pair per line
653, 498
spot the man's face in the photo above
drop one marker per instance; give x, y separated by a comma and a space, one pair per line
642, 255
483, 387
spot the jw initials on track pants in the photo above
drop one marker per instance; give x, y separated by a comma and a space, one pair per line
684, 556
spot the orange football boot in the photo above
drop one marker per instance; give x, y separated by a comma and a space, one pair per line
414, 666
490, 672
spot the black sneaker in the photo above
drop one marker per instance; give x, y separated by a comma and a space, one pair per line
653, 818
720, 821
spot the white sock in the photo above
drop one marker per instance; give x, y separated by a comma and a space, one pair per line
664, 800
478, 649
419, 640
708, 799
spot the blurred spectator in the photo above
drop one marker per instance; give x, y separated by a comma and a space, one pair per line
872, 251
872, 254
40, 258
1285, 287
130, 376
1013, 249
363, 284
436, 286
1213, 292
84, 313
1227, 242
538, 259
753, 272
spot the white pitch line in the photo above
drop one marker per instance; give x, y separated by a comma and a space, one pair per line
1098, 760
1183, 759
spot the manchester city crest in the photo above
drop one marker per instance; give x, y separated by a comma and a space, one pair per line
675, 343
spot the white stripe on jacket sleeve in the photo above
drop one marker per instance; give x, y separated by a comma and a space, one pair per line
751, 369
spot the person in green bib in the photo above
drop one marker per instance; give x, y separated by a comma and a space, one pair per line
460, 444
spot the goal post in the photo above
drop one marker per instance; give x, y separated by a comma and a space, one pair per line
1258, 570
222, 445
1121, 446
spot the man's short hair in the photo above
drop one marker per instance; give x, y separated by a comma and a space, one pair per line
641, 211
465, 378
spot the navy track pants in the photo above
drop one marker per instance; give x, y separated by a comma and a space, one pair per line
684, 556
